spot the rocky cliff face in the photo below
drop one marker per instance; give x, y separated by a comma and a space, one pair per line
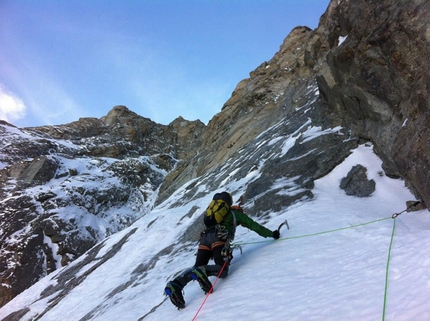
274, 91
377, 80
65, 188
370, 60
361, 76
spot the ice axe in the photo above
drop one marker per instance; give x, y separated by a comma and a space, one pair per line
282, 224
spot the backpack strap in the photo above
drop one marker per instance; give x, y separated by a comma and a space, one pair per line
234, 226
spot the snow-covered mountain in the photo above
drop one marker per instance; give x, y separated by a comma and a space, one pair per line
331, 133
342, 259
65, 188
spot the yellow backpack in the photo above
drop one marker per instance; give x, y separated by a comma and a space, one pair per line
217, 209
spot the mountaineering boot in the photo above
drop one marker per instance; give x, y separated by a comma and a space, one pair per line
200, 276
174, 291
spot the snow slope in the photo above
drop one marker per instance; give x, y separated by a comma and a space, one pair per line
330, 265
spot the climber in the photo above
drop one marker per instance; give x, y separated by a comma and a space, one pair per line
221, 219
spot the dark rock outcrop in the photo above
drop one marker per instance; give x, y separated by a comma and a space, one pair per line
356, 182
36, 172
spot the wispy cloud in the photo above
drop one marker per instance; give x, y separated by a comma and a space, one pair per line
11, 107
42, 99
32, 88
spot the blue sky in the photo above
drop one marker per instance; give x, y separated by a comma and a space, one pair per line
62, 60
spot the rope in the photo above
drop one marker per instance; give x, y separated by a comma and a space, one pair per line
318, 233
386, 271
210, 291
350, 227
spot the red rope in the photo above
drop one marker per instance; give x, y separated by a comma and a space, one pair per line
210, 291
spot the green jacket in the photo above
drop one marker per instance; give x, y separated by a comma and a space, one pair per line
244, 220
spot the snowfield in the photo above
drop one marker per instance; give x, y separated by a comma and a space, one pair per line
344, 258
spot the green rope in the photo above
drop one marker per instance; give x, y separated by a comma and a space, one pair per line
319, 233
386, 270
341, 229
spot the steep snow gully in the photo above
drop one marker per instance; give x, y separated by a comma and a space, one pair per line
344, 258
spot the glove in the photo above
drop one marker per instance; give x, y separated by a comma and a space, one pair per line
276, 234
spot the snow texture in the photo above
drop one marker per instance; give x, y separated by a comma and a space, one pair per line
342, 39
330, 265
